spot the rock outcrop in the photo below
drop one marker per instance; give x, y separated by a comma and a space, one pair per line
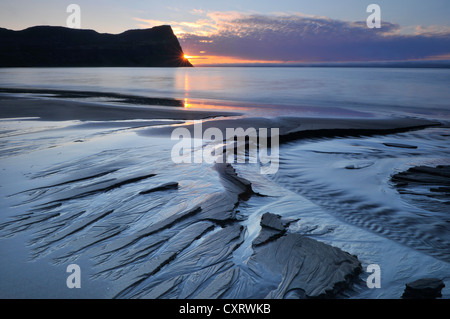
48, 46
426, 288
308, 268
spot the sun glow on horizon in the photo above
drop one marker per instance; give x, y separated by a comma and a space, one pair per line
199, 60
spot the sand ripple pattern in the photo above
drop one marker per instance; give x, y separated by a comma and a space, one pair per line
352, 179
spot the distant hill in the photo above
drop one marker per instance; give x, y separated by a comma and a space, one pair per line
47, 46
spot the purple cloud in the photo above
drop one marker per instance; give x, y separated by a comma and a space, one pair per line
312, 39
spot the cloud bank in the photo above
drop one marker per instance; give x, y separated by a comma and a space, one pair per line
301, 38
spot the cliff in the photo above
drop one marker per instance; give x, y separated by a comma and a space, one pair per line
47, 46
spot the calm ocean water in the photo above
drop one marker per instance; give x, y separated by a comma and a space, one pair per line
410, 91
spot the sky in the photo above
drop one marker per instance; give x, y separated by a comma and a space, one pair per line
261, 31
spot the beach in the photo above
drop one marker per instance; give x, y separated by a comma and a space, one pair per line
87, 177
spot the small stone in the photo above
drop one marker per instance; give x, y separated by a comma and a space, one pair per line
426, 288
266, 235
272, 221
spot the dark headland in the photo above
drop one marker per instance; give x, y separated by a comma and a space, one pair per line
49, 46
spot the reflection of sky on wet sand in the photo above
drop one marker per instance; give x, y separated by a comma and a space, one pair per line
196, 104
275, 110
322, 92
255, 108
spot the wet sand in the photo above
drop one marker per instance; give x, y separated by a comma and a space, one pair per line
153, 229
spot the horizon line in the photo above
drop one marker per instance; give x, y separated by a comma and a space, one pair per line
445, 63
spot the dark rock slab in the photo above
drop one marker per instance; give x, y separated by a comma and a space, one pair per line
426, 288
272, 227
308, 267
272, 221
266, 235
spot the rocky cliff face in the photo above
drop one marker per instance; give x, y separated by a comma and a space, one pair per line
46, 46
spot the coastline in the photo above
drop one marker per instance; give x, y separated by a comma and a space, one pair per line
99, 161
